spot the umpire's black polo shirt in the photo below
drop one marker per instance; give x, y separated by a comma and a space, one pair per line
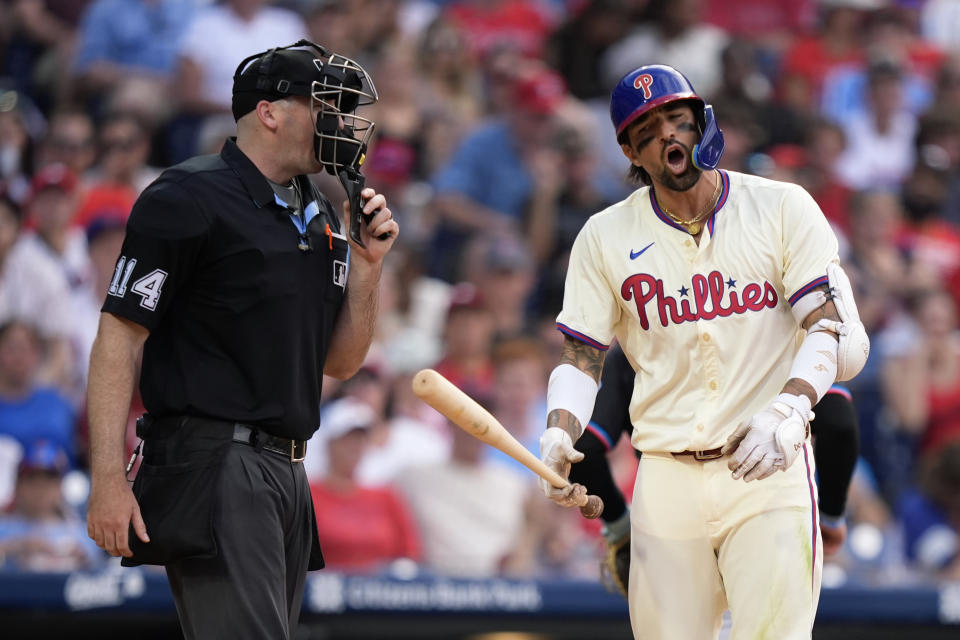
240, 316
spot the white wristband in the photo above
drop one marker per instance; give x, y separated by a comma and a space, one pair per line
816, 361
800, 403
572, 390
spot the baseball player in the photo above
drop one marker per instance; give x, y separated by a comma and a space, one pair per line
835, 445
726, 294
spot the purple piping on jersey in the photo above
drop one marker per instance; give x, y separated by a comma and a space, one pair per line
660, 214
724, 192
841, 391
813, 516
807, 288
582, 337
596, 430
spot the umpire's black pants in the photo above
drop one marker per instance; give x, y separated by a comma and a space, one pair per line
254, 587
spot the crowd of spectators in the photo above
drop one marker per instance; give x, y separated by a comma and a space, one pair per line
493, 146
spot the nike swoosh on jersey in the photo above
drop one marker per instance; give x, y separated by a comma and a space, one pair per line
636, 254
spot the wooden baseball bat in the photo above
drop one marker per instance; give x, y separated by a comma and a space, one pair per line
466, 413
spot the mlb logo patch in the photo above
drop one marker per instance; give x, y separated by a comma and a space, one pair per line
340, 273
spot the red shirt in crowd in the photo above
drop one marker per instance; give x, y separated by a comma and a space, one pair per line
519, 25
363, 528
759, 18
943, 421
811, 59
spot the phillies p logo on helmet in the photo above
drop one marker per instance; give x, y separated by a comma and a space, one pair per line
644, 81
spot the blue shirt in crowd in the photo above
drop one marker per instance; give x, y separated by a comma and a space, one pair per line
134, 33
43, 415
928, 537
488, 169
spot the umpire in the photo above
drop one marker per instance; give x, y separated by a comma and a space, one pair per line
239, 288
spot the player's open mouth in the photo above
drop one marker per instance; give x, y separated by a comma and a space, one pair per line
676, 158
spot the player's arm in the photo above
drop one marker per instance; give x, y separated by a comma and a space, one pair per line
610, 419
836, 345
836, 447
588, 362
571, 394
590, 312
798, 384
835, 348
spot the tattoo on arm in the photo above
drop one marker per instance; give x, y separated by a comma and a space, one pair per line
584, 357
565, 420
589, 360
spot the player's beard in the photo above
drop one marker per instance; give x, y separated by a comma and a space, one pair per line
683, 181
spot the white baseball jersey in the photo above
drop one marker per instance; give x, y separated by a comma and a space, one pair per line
708, 328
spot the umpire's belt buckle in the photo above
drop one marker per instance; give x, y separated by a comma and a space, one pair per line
298, 450
710, 454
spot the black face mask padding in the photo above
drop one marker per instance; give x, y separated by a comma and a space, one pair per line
347, 101
327, 123
336, 154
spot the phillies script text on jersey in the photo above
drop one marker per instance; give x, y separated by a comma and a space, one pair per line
707, 298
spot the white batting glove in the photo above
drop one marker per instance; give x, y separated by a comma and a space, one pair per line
557, 452
771, 440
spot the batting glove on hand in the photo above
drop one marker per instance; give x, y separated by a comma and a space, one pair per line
557, 452
771, 440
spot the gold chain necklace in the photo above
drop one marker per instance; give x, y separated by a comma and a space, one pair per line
694, 226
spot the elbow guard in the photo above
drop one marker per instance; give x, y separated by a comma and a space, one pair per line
853, 350
854, 344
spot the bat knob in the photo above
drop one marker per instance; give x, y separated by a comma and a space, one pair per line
593, 507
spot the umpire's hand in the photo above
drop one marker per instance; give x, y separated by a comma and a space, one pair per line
380, 225
110, 512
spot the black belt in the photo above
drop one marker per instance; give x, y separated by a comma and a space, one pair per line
295, 450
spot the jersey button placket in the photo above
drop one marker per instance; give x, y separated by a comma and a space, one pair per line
689, 250
711, 362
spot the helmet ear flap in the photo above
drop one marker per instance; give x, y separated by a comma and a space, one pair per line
707, 152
